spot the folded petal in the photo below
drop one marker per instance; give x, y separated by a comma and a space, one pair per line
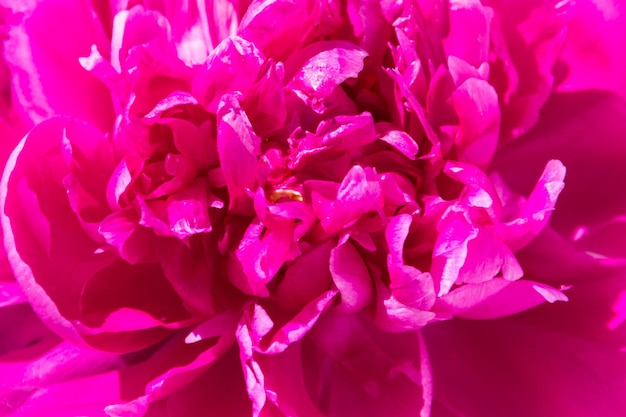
238, 148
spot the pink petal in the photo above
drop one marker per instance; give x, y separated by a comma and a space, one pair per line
480, 191
451, 250
39, 386
298, 326
121, 287
358, 193
42, 234
11, 294
136, 26
43, 52
543, 355
591, 50
320, 67
566, 133
402, 141
239, 148
408, 285
469, 31
279, 27
351, 276
476, 104
536, 212
352, 369
497, 298
219, 391
306, 277
232, 66
333, 136
262, 252
188, 210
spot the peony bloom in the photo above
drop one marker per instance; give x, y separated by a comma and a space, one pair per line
310, 208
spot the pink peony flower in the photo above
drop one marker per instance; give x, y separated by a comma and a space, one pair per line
309, 208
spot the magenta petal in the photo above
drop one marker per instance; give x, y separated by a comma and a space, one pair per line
334, 136
287, 392
40, 386
121, 287
480, 191
22, 334
476, 104
191, 267
239, 148
172, 368
353, 369
395, 316
140, 26
402, 141
117, 229
408, 285
595, 34
188, 210
232, 66
536, 212
11, 294
451, 250
265, 103
469, 31
567, 133
41, 233
218, 391
306, 277
84, 396
497, 298
298, 326
262, 252
543, 355
358, 193
43, 52
177, 377
351, 276
254, 326
320, 67
278, 27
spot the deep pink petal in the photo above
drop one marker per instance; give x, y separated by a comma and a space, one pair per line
238, 147
358, 194
351, 276
30, 387
219, 391
530, 370
11, 294
319, 68
408, 285
591, 52
497, 298
279, 27
581, 130
536, 211
42, 234
306, 277
402, 141
232, 66
469, 31
43, 50
476, 105
352, 369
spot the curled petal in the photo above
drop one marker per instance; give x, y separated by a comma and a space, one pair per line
497, 298
232, 66
238, 148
